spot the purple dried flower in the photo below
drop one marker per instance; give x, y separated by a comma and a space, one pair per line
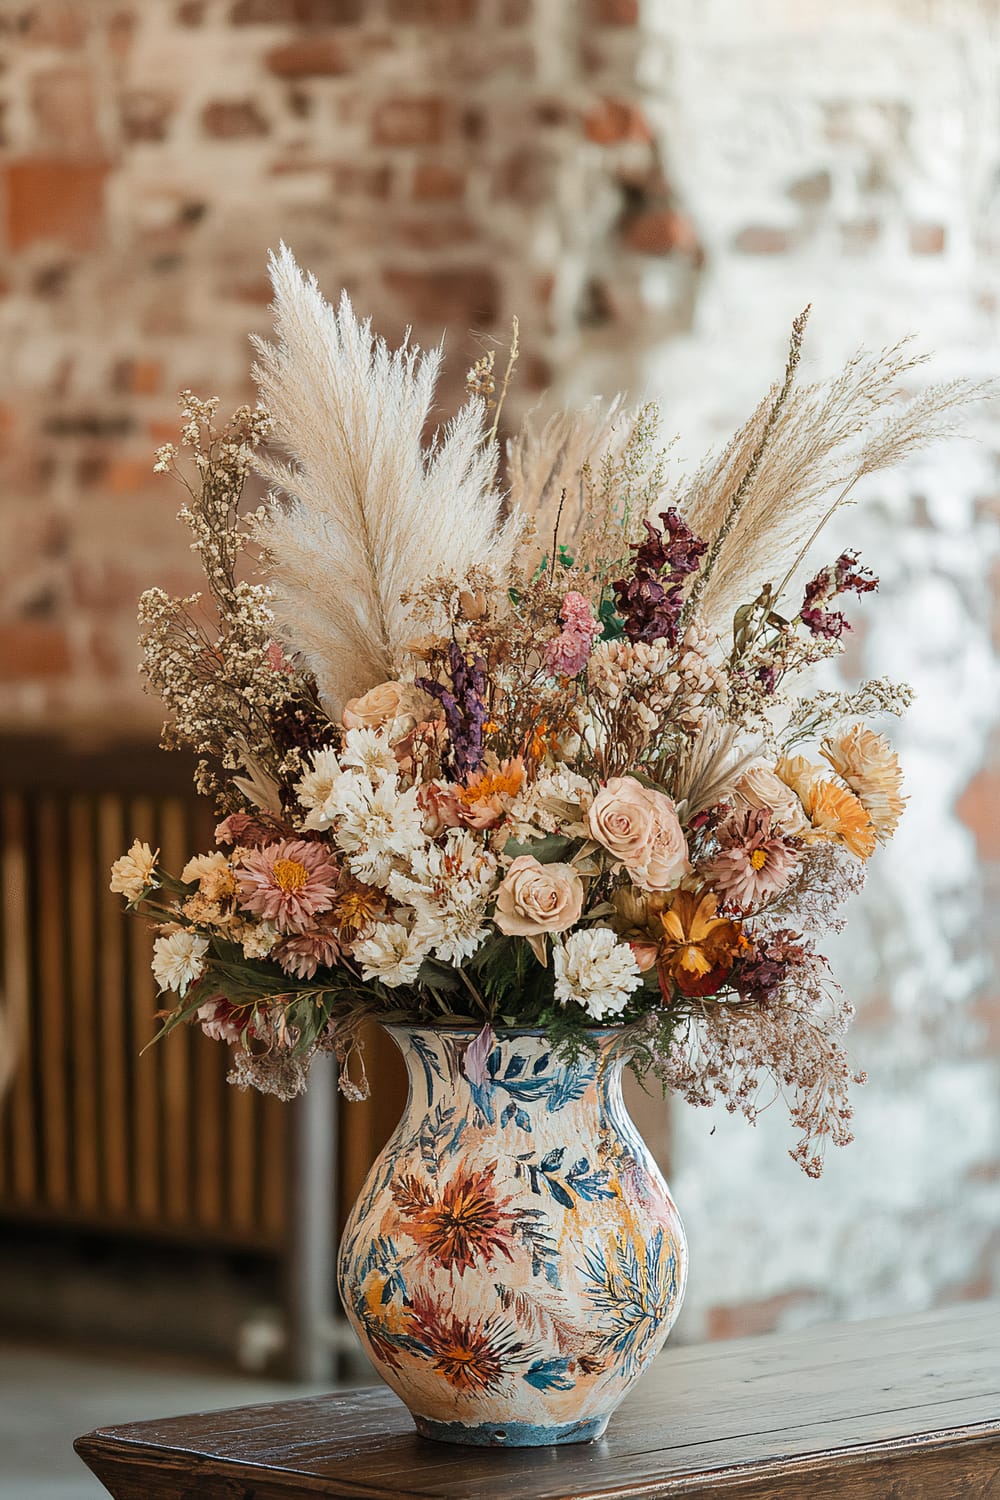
464, 709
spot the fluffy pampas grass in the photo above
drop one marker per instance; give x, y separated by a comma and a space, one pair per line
372, 513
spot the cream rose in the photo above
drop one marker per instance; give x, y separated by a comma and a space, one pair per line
639, 826
760, 788
386, 703
535, 898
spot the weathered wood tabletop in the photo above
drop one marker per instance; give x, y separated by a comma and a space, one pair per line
897, 1409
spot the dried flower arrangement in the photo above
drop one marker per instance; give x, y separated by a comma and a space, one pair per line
521, 750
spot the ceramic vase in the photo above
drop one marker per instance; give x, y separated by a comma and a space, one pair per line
514, 1260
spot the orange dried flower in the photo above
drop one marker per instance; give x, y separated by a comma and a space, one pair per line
698, 947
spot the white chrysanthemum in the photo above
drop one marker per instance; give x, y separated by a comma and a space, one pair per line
204, 864
317, 789
448, 887
377, 825
260, 940
133, 873
391, 954
596, 971
369, 750
178, 960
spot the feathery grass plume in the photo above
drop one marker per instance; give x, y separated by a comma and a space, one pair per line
596, 472
547, 465
373, 513
763, 501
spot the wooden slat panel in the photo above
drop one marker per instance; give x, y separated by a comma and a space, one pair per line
114, 1045
53, 1040
273, 1184
82, 975
241, 1153
174, 1056
209, 1167
17, 998
146, 1069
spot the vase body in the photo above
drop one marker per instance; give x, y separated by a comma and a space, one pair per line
514, 1260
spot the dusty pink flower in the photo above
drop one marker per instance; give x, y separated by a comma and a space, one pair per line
566, 654
439, 802
754, 861
222, 1021
304, 952
288, 883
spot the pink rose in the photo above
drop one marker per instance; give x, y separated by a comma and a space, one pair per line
535, 898
639, 826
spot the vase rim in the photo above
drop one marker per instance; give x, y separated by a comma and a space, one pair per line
500, 1031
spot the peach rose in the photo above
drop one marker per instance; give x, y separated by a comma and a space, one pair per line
388, 702
535, 898
639, 826
760, 788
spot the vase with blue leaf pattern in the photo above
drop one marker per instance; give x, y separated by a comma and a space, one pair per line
514, 1260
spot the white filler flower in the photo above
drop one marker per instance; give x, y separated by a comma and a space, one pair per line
391, 954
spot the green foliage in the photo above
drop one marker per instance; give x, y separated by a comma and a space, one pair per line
554, 848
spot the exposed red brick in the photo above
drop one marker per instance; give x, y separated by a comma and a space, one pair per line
127, 476
146, 114
356, 178
56, 24
467, 296
139, 377
296, 12
232, 118
309, 57
432, 12
32, 649
437, 231
928, 239
614, 120
763, 239
65, 109
661, 231
746, 1318
434, 181
979, 809
409, 122
527, 176
191, 12
614, 12
53, 199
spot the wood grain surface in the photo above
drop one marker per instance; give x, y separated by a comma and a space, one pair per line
896, 1409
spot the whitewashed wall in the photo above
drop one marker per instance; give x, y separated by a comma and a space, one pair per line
849, 156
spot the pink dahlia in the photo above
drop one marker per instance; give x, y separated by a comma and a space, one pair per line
754, 862
304, 952
288, 883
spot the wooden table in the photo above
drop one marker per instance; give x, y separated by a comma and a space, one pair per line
897, 1409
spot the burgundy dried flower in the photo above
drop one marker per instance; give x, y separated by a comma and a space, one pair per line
761, 974
841, 577
650, 602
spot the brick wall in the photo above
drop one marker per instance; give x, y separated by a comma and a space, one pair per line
451, 162
655, 189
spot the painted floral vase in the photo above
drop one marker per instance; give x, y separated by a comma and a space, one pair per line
515, 1259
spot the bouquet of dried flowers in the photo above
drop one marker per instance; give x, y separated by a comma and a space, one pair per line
520, 747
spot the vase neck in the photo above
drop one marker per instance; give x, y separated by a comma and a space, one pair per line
504, 1075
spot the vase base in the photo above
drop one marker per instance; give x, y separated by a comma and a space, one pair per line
511, 1434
